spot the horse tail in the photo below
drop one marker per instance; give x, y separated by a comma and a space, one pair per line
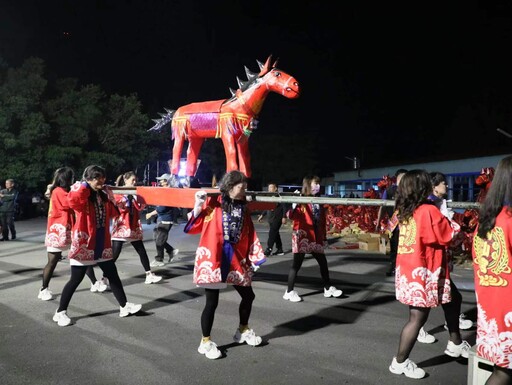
166, 118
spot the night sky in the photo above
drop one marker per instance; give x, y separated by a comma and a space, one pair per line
415, 81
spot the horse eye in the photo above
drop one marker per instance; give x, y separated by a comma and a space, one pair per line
277, 74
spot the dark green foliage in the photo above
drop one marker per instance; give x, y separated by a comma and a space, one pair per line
45, 125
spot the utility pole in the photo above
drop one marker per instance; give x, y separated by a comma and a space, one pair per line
356, 164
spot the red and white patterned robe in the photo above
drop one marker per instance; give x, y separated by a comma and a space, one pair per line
306, 237
209, 254
61, 218
422, 276
83, 240
493, 285
125, 228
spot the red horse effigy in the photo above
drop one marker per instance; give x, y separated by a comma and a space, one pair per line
233, 120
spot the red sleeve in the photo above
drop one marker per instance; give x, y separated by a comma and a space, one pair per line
433, 227
195, 224
78, 196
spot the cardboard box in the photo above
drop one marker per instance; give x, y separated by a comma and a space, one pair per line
369, 237
369, 246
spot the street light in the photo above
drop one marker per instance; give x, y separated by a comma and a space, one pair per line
504, 132
356, 164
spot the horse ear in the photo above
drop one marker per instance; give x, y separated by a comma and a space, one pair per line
266, 66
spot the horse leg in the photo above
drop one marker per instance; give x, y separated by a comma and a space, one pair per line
179, 139
230, 151
194, 147
244, 157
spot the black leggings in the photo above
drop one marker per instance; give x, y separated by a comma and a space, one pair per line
78, 274
298, 258
419, 315
500, 376
53, 259
117, 246
212, 301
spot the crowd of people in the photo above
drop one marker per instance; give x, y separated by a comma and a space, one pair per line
86, 219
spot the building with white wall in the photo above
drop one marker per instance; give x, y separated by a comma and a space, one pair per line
460, 173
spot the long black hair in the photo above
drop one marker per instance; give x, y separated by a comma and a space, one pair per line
413, 191
62, 177
499, 195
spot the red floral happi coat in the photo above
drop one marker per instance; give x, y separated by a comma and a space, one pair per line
125, 227
422, 276
210, 252
306, 237
60, 220
83, 240
492, 264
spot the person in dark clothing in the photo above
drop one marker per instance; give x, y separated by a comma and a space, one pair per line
164, 221
275, 217
9, 197
388, 211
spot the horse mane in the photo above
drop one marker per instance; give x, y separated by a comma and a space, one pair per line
252, 77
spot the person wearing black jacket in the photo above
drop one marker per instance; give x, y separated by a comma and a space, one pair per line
9, 197
165, 219
275, 218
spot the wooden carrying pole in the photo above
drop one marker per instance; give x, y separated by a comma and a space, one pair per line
260, 200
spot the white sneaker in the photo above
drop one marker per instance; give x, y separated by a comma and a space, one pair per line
425, 337
458, 350
408, 368
106, 282
152, 278
45, 294
156, 263
129, 308
173, 254
292, 296
98, 287
248, 337
332, 292
61, 318
209, 349
464, 324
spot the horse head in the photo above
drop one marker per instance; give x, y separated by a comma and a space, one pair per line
277, 80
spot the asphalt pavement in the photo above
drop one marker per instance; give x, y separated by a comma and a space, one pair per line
346, 340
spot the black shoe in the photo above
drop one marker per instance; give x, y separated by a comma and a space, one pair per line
13, 237
390, 273
267, 252
278, 252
